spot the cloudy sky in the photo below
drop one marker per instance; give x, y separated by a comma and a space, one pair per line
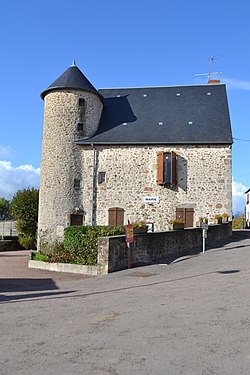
130, 43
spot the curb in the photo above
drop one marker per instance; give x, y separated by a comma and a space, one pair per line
64, 267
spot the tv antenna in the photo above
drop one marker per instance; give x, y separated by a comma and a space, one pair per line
210, 62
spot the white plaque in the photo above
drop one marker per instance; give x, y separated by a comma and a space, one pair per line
150, 199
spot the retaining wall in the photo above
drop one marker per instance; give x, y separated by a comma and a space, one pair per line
157, 247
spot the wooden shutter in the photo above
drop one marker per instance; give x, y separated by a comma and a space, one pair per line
189, 217
186, 215
112, 216
173, 168
116, 216
119, 216
160, 161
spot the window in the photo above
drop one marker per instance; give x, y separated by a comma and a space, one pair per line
101, 177
166, 168
77, 183
76, 219
247, 198
80, 126
81, 102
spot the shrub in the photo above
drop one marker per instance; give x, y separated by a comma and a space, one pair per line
39, 256
27, 242
139, 224
82, 242
176, 221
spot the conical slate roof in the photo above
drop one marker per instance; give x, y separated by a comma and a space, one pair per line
72, 78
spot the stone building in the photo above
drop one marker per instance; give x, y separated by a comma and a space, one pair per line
147, 153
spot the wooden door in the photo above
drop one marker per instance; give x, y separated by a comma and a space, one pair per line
116, 216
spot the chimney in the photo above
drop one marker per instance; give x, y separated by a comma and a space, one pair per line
213, 81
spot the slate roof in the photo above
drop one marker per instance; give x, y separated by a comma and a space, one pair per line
164, 115
72, 78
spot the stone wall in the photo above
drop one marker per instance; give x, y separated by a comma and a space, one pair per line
62, 161
157, 247
203, 173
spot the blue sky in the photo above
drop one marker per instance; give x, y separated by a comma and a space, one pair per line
116, 44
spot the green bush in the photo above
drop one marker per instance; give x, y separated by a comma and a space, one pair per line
82, 242
238, 222
39, 256
27, 242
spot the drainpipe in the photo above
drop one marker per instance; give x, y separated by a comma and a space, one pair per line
93, 215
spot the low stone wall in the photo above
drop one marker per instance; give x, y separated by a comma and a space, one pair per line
157, 247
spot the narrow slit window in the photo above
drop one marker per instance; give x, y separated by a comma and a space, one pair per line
101, 177
77, 183
81, 102
80, 126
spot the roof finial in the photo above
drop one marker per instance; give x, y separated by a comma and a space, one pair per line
74, 62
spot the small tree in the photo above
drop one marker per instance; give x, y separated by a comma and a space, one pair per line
4, 209
24, 208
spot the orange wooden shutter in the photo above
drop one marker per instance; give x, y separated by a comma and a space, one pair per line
112, 216
160, 161
119, 216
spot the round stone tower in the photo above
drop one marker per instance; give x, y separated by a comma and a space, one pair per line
72, 110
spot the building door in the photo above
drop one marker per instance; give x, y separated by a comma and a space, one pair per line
76, 219
116, 216
186, 215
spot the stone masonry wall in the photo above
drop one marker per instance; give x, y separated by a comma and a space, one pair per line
61, 160
203, 173
157, 247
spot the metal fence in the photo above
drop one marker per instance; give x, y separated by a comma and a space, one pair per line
8, 228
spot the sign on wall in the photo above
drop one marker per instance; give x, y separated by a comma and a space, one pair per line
150, 199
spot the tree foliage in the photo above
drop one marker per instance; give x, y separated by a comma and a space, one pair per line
24, 208
238, 222
4, 209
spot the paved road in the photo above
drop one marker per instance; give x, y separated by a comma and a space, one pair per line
190, 317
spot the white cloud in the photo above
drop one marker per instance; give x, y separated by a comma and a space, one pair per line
16, 178
6, 152
238, 190
233, 83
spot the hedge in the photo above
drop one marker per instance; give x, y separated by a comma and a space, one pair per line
82, 242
